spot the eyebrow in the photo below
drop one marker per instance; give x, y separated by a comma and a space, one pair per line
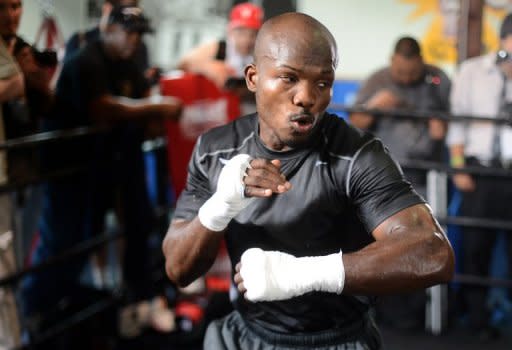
298, 70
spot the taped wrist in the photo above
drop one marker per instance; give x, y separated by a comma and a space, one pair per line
271, 275
228, 200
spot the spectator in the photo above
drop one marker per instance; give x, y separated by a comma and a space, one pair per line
80, 39
483, 87
22, 115
316, 215
11, 87
224, 61
100, 85
408, 83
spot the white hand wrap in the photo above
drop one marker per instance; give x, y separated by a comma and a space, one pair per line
216, 213
272, 275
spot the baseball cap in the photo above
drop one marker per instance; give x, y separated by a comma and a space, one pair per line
506, 26
246, 15
131, 18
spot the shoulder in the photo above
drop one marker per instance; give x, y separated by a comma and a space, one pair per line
346, 141
343, 139
91, 54
87, 60
434, 70
382, 74
229, 137
376, 80
476, 64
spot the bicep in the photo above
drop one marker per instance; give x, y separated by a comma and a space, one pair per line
202, 53
377, 187
417, 219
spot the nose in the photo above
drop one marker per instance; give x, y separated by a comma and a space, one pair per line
305, 95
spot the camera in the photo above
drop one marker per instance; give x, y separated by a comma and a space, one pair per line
503, 56
46, 58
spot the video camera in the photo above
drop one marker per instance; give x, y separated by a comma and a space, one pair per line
45, 58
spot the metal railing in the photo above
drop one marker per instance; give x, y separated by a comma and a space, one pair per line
436, 189
437, 196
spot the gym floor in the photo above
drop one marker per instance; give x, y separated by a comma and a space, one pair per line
454, 339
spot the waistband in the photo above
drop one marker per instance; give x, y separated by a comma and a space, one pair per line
352, 333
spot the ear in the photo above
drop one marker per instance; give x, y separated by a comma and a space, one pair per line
251, 77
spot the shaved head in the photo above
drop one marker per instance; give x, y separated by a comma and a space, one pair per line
295, 59
295, 34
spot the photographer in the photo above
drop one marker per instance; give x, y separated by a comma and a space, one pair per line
11, 87
483, 86
224, 61
22, 115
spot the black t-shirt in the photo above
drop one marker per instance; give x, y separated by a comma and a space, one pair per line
80, 40
87, 75
344, 184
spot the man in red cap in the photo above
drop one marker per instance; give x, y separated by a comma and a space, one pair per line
224, 61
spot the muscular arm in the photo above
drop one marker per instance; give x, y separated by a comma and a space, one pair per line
411, 251
194, 60
190, 248
201, 60
109, 108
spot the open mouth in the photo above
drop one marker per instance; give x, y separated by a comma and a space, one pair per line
303, 123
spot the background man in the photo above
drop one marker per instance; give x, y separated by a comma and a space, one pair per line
100, 85
408, 83
224, 61
483, 86
11, 87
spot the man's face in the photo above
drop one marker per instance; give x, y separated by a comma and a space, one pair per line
10, 14
406, 71
243, 39
124, 42
293, 86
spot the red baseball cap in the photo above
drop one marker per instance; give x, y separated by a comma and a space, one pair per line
246, 15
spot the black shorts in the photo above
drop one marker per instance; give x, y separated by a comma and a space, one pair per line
233, 333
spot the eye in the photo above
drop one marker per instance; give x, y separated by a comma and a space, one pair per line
324, 84
287, 78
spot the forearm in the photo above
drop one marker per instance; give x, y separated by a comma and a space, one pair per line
115, 109
401, 263
190, 250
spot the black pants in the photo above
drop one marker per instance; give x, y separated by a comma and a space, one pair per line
233, 333
492, 199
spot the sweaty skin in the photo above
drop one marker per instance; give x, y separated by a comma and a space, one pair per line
292, 77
